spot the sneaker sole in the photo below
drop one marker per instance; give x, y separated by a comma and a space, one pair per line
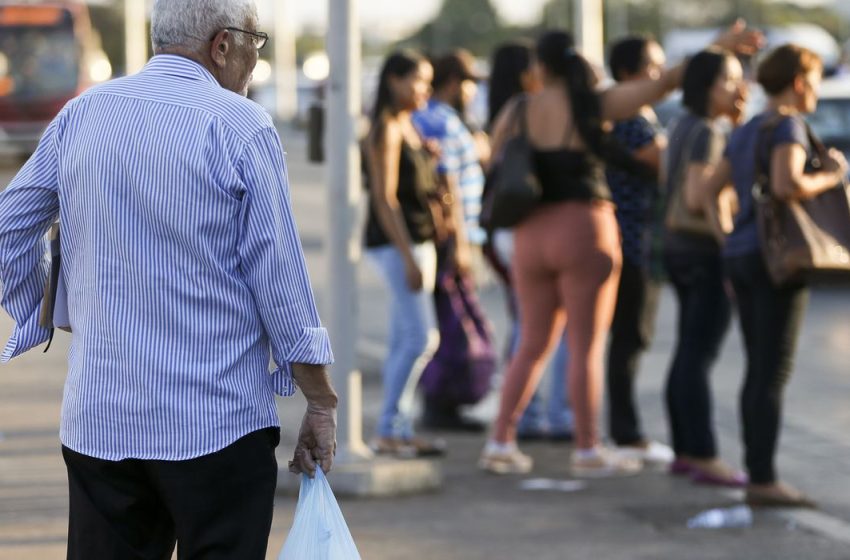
502, 468
606, 472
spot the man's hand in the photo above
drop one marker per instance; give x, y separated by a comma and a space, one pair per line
316, 441
433, 147
317, 437
739, 111
461, 257
413, 276
836, 162
740, 39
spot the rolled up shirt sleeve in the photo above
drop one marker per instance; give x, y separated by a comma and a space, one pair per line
27, 208
272, 261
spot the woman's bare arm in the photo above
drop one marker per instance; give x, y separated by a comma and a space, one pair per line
788, 180
622, 101
383, 161
698, 182
504, 127
706, 190
709, 182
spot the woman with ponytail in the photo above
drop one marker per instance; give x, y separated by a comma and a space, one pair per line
567, 252
513, 72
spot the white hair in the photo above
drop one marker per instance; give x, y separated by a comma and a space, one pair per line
186, 22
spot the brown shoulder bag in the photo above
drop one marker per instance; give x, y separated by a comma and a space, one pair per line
802, 240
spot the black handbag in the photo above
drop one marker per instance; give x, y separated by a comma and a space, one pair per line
513, 189
802, 240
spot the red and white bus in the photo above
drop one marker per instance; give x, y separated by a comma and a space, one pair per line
46, 57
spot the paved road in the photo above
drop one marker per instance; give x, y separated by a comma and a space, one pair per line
476, 516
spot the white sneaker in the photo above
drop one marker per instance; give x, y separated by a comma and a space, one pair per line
655, 454
504, 459
604, 462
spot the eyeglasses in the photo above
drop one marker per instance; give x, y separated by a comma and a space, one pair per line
258, 37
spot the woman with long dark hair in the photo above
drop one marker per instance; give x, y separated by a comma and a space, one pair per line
713, 87
567, 253
512, 73
771, 314
568, 250
400, 235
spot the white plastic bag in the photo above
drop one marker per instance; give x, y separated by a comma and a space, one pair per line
319, 531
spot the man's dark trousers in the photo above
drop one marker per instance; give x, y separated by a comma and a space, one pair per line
215, 507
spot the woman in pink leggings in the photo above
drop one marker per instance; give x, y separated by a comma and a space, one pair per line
568, 251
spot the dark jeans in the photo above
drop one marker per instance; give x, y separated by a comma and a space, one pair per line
215, 507
704, 316
771, 318
631, 334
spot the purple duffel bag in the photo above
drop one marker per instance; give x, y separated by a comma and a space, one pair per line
462, 368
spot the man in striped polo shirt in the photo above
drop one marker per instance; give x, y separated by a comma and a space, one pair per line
462, 183
185, 275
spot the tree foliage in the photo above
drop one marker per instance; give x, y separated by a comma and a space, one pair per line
655, 17
471, 24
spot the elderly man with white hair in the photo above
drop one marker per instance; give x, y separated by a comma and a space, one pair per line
185, 277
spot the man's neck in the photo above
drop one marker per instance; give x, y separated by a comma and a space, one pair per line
194, 56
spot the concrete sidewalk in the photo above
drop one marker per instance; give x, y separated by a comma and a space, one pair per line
478, 516
474, 516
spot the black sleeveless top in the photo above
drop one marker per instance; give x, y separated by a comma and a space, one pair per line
566, 175
416, 182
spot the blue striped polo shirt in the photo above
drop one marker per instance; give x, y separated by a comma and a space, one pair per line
183, 265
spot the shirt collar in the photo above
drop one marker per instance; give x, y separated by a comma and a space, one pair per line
175, 65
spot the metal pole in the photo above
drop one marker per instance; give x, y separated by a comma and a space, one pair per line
135, 35
588, 30
285, 71
343, 247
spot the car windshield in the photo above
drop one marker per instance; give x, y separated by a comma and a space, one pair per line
38, 62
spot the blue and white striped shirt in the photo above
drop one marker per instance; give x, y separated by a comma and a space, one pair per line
458, 157
182, 262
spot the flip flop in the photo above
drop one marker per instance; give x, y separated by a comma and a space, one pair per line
773, 501
680, 467
699, 476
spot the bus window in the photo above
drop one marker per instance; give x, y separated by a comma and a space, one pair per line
41, 61
48, 56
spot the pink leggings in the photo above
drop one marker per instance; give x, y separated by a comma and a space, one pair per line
566, 266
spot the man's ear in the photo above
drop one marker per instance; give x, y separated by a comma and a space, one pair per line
219, 48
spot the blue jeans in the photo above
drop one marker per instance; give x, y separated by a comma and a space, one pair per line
412, 334
557, 417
